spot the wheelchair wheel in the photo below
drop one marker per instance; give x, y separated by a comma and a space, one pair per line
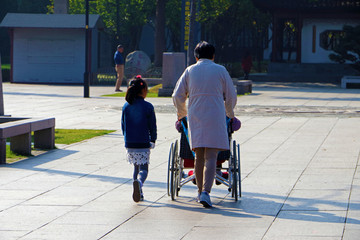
178, 175
238, 168
178, 171
232, 169
235, 172
169, 168
174, 172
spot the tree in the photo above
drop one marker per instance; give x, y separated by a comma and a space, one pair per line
173, 24
160, 44
168, 27
234, 26
348, 48
124, 19
191, 47
231, 25
30, 6
20, 6
7, 6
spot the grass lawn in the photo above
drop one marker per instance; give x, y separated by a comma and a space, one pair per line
69, 136
153, 92
11, 156
62, 136
5, 66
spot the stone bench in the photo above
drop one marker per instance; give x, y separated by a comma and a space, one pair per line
349, 79
243, 87
19, 131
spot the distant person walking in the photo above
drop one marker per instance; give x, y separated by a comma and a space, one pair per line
138, 124
212, 97
119, 67
246, 64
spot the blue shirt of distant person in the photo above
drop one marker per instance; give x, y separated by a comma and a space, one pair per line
118, 57
119, 67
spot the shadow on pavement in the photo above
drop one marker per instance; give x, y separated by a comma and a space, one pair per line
321, 99
251, 205
39, 94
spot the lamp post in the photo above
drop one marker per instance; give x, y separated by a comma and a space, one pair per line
86, 74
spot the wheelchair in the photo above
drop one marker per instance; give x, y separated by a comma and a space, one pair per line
181, 157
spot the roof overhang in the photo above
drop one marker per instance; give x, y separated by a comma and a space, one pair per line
60, 21
309, 6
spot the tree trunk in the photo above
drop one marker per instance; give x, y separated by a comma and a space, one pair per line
160, 43
117, 20
191, 46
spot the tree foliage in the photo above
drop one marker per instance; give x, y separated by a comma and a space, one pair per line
30, 6
348, 48
231, 25
173, 23
234, 26
123, 19
17, 6
160, 42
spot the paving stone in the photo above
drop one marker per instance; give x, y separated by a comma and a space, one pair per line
12, 235
299, 164
350, 234
307, 223
30, 217
317, 200
68, 231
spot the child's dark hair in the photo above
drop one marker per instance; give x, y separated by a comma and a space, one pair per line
136, 85
204, 50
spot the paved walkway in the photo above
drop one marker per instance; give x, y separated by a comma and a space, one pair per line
300, 171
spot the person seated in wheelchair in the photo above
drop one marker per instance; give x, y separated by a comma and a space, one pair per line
188, 156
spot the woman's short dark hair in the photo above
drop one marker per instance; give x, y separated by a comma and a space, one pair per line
204, 50
136, 85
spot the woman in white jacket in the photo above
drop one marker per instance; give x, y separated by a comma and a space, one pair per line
212, 96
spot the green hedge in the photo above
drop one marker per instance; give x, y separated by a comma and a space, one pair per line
6, 75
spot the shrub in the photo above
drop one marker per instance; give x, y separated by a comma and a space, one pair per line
348, 48
6, 75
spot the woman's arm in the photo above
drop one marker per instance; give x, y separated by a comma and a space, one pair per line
180, 95
230, 95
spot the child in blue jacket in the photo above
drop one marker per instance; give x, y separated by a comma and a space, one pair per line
138, 124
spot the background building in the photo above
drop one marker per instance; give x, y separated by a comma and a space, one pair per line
304, 34
50, 48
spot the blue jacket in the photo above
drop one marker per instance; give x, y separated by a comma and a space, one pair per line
118, 58
138, 124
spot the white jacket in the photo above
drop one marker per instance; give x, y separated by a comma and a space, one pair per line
207, 85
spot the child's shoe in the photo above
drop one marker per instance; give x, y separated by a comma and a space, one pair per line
136, 190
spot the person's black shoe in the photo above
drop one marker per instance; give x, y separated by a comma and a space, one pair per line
136, 191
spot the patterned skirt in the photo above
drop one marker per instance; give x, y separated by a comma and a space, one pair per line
138, 156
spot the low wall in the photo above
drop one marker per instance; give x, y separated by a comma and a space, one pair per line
304, 72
